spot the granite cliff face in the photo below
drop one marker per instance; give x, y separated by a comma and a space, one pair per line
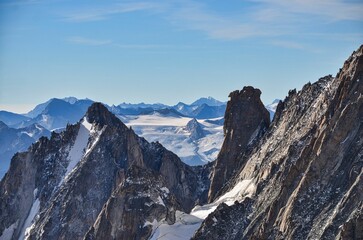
245, 120
306, 170
96, 180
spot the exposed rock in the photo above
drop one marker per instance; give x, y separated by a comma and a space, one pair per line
109, 187
308, 166
246, 119
222, 224
17, 140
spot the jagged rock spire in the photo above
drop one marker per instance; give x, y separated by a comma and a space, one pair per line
245, 118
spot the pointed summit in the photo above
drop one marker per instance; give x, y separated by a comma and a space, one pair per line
99, 114
195, 129
246, 118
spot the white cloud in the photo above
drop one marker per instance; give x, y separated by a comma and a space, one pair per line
88, 41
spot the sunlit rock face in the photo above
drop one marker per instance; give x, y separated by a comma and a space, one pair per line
307, 168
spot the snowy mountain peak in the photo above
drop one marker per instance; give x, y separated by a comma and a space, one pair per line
276, 101
70, 100
209, 101
272, 108
195, 129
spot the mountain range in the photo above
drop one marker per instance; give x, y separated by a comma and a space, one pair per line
56, 113
155, 122
299, 176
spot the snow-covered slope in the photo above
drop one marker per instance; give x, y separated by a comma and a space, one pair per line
172, 133
187, 224
14, 140
272, 108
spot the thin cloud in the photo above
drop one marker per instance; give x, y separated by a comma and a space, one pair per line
88, 41
264, 18
288, 44
140, 46
96, 42
195, 16
101, 13
20, 2
336, 10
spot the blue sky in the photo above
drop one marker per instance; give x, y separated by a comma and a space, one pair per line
169, 51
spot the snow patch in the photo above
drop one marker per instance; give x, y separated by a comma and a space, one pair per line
35, 192
165, 190
244, 188
160, 201
187, 224
345, 139
170, 132
8, 232
27, 224
78, 149
254, 134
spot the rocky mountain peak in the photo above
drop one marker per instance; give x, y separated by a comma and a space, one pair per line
66, 186
195, 129
307, 170
246, 118
247, 92
353, 66
97, 113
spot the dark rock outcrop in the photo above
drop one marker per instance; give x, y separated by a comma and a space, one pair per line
245, 120
308, 167
222, 224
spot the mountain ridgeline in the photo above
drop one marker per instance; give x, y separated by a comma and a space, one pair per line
297, 177
68, 185
55, 114
306, 169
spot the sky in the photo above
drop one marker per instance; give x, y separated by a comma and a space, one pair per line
169, 51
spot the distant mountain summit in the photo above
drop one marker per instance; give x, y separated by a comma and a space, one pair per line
272, 107
209, 101
11, 119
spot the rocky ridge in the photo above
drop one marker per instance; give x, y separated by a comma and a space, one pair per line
245, 120
65, 187
307, 168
